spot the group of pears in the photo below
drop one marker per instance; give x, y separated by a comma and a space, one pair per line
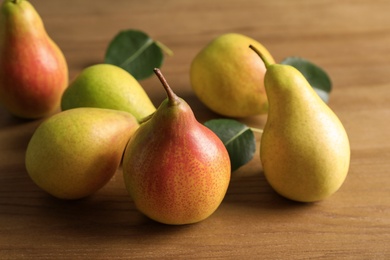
176, 170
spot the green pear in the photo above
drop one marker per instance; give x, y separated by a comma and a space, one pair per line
74, 153
176, 170
228, 77
33, 70
108, 86
304, 148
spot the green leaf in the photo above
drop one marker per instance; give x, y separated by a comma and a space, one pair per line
315, 75
135, 52
238, 139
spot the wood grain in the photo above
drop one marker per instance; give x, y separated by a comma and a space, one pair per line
349, 39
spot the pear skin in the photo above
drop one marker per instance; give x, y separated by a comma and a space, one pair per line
33, 70
304, 148
74, 153
176, 170
229, 78
108, 86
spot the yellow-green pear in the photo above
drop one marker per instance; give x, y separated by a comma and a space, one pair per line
304, 148
229, 78
74, 153
108, 86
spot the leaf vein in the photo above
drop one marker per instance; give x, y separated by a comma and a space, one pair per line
236, 136
136, 54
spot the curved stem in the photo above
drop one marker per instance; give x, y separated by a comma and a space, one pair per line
172, 98
263, 58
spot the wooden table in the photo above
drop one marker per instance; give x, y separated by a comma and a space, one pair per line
349, 39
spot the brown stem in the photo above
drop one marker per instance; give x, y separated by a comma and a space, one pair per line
172, 97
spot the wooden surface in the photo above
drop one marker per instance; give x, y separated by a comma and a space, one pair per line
349, 39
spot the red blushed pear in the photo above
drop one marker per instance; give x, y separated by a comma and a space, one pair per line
33, 70
176, 170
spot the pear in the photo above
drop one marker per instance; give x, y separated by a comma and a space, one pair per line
74, 153
108, 86
33, 70
228, 78
304, 149
176, 170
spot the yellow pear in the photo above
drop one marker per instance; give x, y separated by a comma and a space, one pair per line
74, 153
304, 148
108, 86
228, 77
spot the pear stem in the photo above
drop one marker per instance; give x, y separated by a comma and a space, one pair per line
173, 99
16, 1
263, 58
